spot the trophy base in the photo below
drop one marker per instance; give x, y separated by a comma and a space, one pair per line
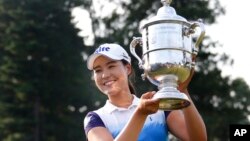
171, 99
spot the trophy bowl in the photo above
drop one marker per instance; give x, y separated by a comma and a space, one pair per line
168, 49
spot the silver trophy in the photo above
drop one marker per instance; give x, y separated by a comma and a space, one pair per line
168, 49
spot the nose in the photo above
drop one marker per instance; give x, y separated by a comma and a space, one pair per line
105, 73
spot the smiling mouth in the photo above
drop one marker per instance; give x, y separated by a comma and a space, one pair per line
109, 83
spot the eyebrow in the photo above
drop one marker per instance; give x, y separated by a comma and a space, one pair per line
108, 63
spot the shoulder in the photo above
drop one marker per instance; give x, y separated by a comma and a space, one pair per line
91, 120
95, 115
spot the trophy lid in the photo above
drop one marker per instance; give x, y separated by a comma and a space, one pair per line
165, 13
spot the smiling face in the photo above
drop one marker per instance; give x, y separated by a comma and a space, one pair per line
111, 76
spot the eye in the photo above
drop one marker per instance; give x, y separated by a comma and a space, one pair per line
97, 70
111, 66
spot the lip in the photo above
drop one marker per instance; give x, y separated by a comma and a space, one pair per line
108, 83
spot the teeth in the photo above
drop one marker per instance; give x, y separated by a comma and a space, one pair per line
108, 83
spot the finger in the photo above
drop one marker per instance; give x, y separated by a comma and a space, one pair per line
148, 95
152, 105
194, 58
152, 102
156, 100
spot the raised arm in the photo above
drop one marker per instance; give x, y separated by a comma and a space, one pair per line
187, 124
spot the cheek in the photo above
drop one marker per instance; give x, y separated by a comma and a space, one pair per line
97, 80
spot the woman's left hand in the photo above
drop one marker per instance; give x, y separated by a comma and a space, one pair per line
184, 85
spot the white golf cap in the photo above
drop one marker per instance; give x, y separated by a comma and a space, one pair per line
110, 50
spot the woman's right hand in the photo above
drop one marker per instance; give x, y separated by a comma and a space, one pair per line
148, 105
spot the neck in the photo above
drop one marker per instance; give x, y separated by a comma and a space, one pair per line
122, 100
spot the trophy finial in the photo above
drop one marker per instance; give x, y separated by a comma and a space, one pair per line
166, 2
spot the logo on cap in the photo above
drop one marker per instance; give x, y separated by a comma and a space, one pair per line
101, 49
124, 55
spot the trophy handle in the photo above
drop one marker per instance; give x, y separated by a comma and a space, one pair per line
133, 44
201, 36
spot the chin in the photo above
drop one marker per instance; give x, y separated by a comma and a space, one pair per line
111, 92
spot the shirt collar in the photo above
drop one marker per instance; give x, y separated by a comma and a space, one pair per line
110, 107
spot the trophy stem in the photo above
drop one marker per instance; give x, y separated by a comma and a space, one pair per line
170, 97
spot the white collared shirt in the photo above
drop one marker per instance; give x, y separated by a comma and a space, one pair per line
115, 118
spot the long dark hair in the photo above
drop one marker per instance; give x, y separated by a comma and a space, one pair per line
131, 78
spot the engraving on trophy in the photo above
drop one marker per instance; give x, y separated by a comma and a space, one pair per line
168, 48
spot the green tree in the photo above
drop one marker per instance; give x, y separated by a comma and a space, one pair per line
220, 100
42, 80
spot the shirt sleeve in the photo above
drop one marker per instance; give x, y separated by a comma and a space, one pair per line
92, 120
166, 114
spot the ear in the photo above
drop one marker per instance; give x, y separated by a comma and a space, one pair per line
128, 68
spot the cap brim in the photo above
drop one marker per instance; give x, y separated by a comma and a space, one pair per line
92, 58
